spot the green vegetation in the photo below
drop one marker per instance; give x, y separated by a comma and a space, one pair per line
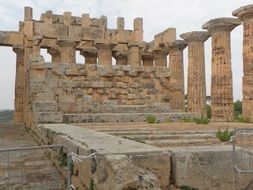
238, 108
202, 120
208, 110
91, 186
150, 119
188, 120
62, 157
225, 135
6, 116
241, 119
187, 188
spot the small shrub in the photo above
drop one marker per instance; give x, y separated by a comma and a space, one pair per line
91, 185
202, 120
150, 119
224, 136
187, 120
242, 119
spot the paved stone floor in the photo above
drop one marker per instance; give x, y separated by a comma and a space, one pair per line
25, 169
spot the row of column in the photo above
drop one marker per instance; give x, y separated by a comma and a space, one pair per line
131, 54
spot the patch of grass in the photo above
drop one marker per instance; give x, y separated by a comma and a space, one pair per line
150, 119
224, 136
202, 120
187, 120
242, 119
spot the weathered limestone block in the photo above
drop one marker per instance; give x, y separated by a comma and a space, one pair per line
177, 73
43, 106
245, 14
196, 95
44, 97
206, 168
48, 117
221, 85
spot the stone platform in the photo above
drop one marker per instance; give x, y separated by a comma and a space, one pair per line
164, 155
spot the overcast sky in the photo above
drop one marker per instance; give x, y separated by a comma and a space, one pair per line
184, 15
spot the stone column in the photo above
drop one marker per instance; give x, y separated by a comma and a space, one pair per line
90, 55
138, 29
121, 58
133, 57
36, 46
221, 84
196, 95
245, 14
68, 52
104, 53
19, 85
176, 68
148, 59
160, 57
55, 53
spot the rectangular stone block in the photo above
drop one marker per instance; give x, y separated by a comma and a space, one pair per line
41, 106
48, 117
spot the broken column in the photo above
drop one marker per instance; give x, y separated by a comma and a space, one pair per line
221, 84
138, 29
196, 95
245, 14
67, 48
176, 68
19, 84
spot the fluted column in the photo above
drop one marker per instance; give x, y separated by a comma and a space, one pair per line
55, 53
104, 53
196, 89
221, 84
176, 68
67, 48
19, 85
245, 14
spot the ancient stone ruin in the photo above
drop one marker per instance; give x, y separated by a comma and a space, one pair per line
125, 79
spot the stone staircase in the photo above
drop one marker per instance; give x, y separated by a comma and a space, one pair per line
165, 138
27, 169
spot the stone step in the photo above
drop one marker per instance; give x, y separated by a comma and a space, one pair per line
168, 136
113, 108
158, 132
123, 117
181, 143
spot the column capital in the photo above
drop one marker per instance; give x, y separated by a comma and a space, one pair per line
67, 42
37, 40
53, 50
244, 13
103, 44
18, 49
199, 36
177, 45
221, 24
89, 51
